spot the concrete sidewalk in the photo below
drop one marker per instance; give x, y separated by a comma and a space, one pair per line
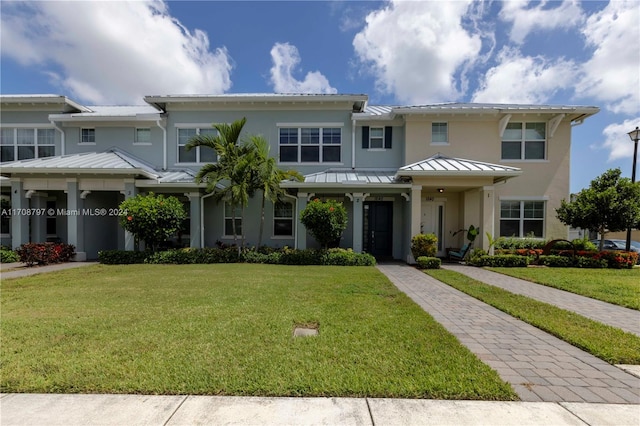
19, 270
161, 410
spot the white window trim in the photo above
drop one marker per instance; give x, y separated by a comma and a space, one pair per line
224, 223
8, 198
521, 219
135, 137
198, 128
439, 143
273, 222
299, 145
80, 142
523, 141
34, 128
382, 148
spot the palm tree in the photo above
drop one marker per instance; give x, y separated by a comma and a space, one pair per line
269, 176
231, 178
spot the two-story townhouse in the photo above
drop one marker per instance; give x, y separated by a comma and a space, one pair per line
398, 170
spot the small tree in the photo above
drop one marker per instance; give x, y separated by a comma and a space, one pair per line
152, 218
325, 221
611, 203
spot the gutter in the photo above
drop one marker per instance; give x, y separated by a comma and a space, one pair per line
62, 137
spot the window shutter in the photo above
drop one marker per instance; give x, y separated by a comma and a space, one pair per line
365, 137
388, 132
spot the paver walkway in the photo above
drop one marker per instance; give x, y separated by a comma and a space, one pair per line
540, 367
606, 313
19, 270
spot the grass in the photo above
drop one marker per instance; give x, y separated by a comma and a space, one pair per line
608, 343
227, 330
617, 286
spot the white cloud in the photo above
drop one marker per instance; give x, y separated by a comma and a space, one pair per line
617, 139
285, 59
612, 74
113, 52
528, 19
414, 49
524, 79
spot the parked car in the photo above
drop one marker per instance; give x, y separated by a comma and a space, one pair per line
619, 245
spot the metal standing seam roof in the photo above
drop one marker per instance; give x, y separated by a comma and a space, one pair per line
342, 177
111, 161
440, 165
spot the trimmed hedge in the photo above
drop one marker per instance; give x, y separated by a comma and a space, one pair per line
45, 253
336, 256
425, 262
504, 261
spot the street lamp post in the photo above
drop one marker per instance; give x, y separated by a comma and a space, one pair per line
634, 135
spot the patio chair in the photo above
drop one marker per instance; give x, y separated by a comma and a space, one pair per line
460, 255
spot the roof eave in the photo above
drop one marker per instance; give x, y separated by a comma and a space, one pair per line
75, 170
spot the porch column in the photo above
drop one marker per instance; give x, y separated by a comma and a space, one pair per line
194, 214
301, 238
19, 222
487, 212
416, 215
75, 222
130, 191
358, 212
39, 221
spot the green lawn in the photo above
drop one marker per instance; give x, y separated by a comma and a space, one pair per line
618, 286
608, 343
227, 329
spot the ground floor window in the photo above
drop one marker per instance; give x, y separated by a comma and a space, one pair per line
229, 215
5, 221
283, 219
522, 219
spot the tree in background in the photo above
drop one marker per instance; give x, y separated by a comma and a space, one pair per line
611, 203
152, 218
325, 221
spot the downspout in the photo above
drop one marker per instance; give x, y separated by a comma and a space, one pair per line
295, 222
62, 139
353, 143
202, 217
164, 144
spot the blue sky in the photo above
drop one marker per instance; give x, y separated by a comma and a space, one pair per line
397, 52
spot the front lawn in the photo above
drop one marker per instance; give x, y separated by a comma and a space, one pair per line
608, 343
227, 330
618, 286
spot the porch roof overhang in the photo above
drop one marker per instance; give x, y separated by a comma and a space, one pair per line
440, 166
350, 179
110, 162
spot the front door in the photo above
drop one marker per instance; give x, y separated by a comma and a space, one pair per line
433, 222
378, 228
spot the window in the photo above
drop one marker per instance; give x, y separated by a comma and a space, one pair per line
5, 219
439, 133
310, 144
283, 219
143, 135
51, 220
228, 219
376, 137
524, 141
88, 136
522, 219
24, 144
199, 154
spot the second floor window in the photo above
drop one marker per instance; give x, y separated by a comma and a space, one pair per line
199, 154
143, 135
524, 141
439, 133
88, 135
24, 144
310, 144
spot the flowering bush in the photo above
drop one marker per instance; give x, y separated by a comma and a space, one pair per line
424, 245
325, 221
45, 253
152, 218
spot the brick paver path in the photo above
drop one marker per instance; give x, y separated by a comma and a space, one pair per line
606, 313
540, 367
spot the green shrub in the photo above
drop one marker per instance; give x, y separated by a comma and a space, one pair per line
122, 257
475, 256
505, 261
583, 244
424, 245
618, 259
519, 243
178, 257
590, 262
325, 221
45, 253
556, 261
347, 257
425, 262
8, 256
